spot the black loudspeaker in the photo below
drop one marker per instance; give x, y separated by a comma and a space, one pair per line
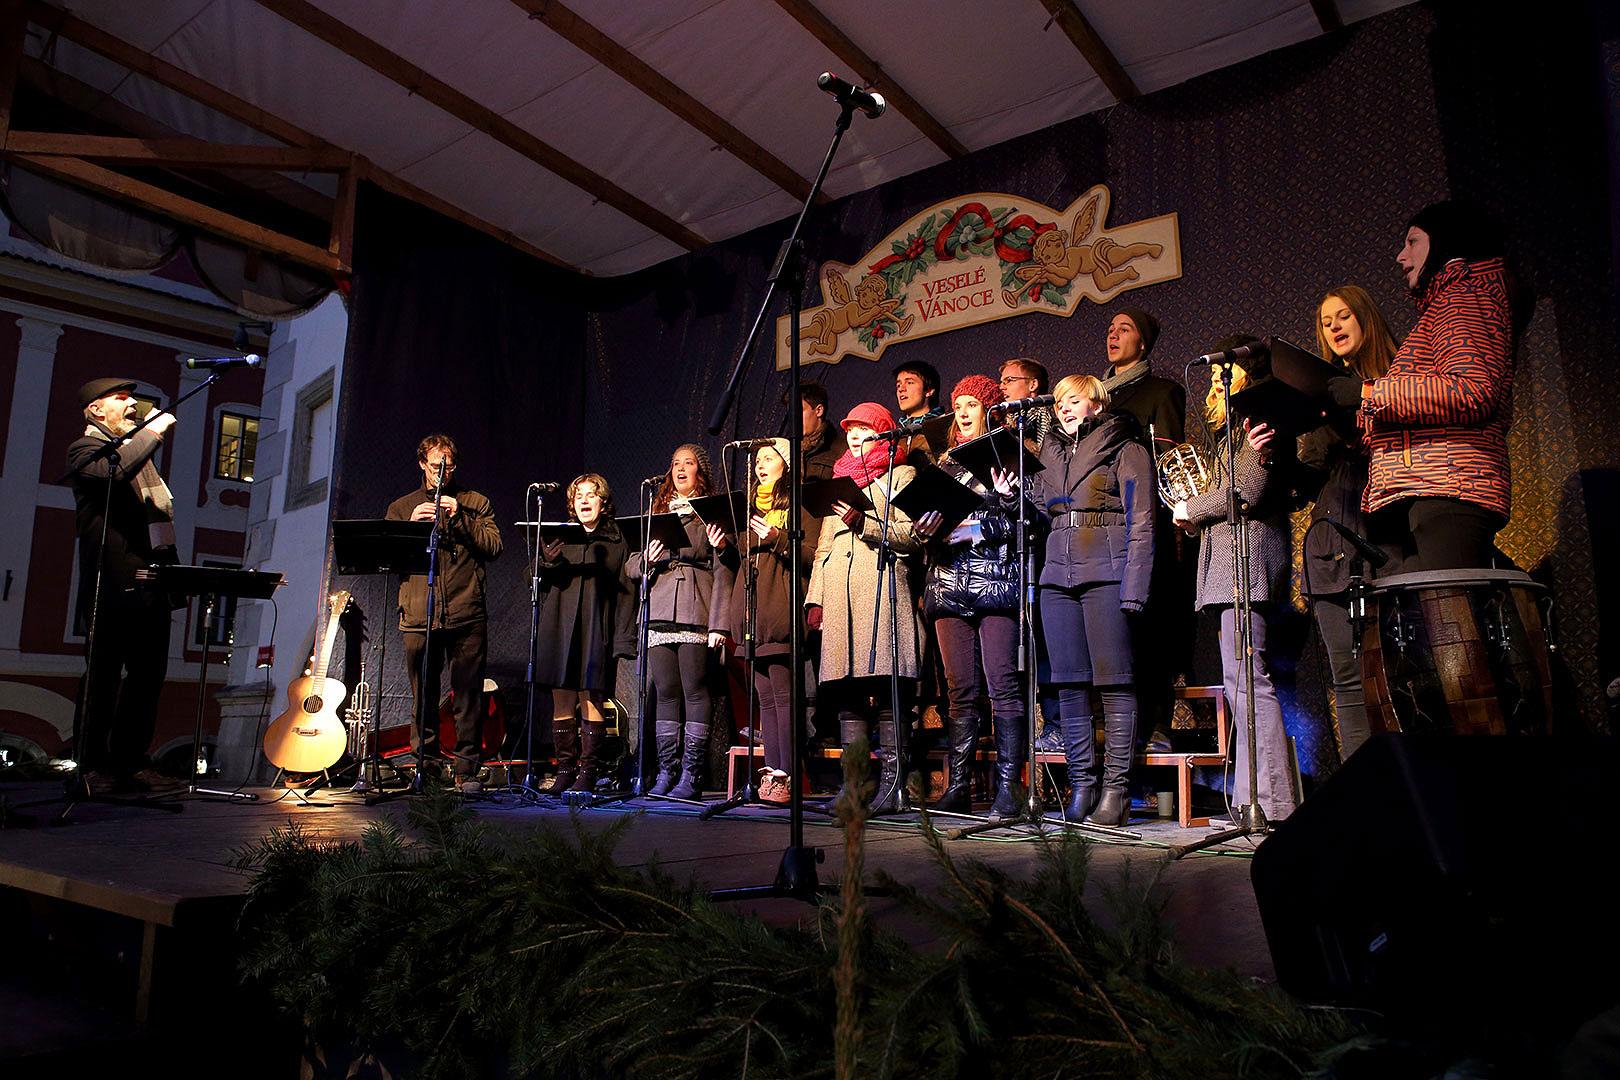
1451, 883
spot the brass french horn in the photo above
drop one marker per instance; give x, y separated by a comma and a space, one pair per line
1182, 472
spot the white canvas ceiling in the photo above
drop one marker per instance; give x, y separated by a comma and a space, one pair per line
985, 70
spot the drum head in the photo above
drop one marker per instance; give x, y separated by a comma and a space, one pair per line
1463, 578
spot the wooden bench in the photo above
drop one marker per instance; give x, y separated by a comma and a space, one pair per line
1183, 763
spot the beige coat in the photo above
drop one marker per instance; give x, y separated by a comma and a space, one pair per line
844, 582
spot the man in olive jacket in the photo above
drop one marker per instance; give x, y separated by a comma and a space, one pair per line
468, 539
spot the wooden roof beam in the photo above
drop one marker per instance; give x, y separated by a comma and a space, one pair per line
180, 153
178, 208
245, 112
319, 24
1091, 47
638, 73
871, 74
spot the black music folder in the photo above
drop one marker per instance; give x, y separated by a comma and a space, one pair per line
935, 489
665, 528
1291, 392
998, 448
728, 510
569, 532
820, 495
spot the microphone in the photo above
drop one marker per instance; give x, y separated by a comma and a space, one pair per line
1373, 556
545, 489
749, 444
1021, 404
224, 363
905, 429
1231, 356
847, 93
653, 481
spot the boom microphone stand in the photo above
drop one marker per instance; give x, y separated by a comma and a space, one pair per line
887, 560
749, 570
796, 877
1251, 818
530, 787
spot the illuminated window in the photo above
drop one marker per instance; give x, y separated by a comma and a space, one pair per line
147, 403
238, 441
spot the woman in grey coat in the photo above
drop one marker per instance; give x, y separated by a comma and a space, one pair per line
1264, 497
845, 601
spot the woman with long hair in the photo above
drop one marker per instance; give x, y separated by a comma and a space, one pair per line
1352, 334
847, 604
1097, 492
586, 623
772, 559
683, 625
971, 597
1265, 497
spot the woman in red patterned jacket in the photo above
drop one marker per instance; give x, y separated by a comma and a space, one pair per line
1437, 423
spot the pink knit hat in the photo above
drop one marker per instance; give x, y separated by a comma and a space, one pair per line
871, 414
983, 387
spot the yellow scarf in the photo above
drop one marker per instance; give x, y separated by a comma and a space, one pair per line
765, 504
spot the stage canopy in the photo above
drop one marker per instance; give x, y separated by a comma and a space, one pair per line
604, 136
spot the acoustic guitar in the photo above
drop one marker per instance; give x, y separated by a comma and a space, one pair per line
310, 736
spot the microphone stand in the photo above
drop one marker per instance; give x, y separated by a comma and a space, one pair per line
749, 570
638, 785
886, 563
529, 785
1251, 819
796, 876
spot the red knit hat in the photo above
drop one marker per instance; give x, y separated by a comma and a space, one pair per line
872, 415
983, 387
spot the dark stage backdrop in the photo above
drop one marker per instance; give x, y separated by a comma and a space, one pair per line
454, 332
1292, 173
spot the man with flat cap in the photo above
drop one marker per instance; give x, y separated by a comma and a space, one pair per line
124, 498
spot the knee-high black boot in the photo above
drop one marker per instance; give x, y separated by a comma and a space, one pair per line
1010, 745
667, 745
889, 796
1079, 751
851, 726
962, 734
1119, 743
694, 757
565, 737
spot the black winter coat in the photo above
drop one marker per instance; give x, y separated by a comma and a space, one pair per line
980, 578
770, 562
471, 539
1333, 456
589, 609
1154, 400
1105, 473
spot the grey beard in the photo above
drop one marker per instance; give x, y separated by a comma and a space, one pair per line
122, 426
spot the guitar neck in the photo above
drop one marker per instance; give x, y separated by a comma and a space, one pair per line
326, 651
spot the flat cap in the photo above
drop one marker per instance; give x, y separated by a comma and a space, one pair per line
96, 389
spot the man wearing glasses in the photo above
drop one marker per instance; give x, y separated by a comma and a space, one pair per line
1021, 378
468, 538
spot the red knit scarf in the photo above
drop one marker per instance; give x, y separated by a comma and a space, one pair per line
868, 467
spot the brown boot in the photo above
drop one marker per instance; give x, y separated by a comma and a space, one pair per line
590, 755
565, 736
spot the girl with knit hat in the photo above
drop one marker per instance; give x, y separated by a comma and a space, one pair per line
971, 596
772, 559
849, 597
684, 625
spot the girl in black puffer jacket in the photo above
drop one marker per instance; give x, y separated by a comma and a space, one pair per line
1097, 490
971, 596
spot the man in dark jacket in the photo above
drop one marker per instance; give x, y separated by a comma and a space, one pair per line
823, 442
1163, 640
468, 538
131, 621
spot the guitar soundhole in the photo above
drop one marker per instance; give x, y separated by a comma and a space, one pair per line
312, 704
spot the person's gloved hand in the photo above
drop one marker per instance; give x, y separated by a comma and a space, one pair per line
1345, 392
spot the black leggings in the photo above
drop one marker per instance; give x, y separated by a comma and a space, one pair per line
679, 673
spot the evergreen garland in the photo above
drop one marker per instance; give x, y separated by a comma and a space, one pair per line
469, 951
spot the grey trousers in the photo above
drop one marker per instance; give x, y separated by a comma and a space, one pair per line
1275, 779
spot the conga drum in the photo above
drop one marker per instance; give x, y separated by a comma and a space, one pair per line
1459, 651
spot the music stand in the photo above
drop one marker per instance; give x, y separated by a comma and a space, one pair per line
209, 583
364, 546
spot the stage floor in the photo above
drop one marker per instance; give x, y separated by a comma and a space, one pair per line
166, 870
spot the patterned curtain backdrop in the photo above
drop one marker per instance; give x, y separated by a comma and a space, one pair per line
1292, 173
